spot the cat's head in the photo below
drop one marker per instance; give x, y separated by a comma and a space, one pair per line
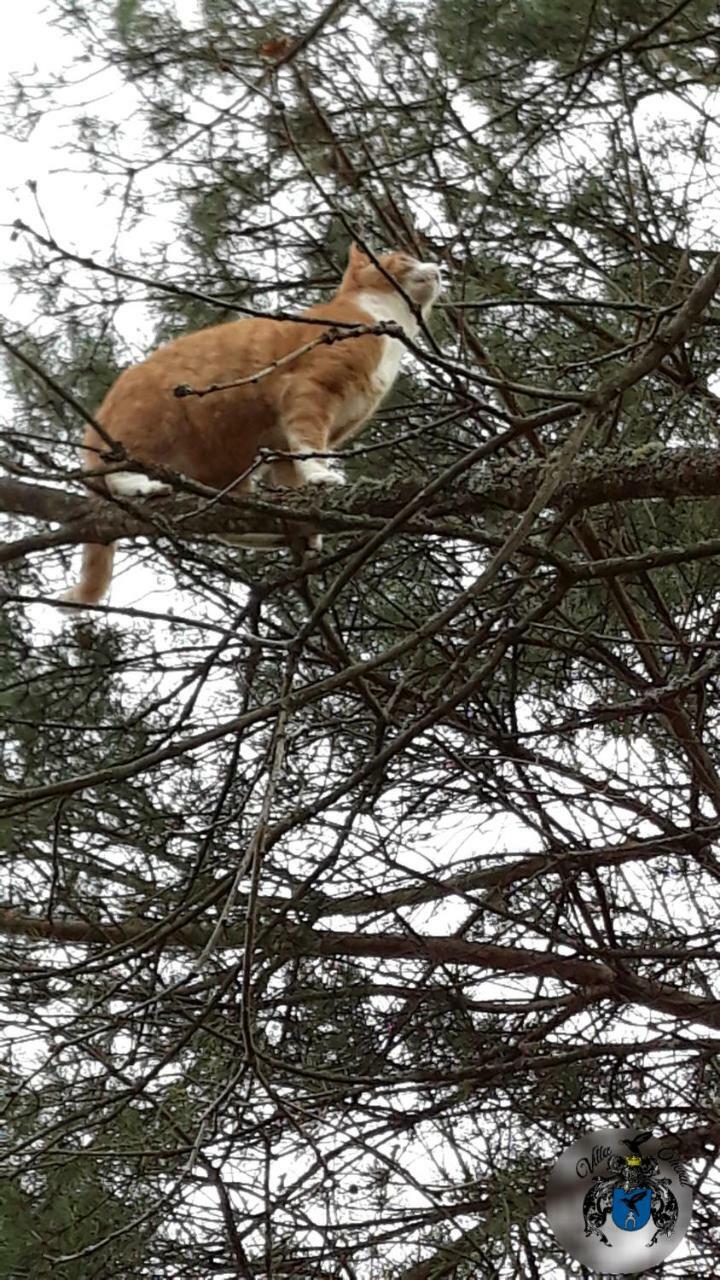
419, 280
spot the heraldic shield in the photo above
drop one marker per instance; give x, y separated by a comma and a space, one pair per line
632, 1192
631, 1208
619, 1202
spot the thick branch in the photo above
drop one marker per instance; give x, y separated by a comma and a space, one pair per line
594, 976
621, 477
316, 942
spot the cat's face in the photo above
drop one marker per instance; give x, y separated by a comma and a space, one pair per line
420, 280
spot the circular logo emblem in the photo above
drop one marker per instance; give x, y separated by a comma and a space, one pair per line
619, 1200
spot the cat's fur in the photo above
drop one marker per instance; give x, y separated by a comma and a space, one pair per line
310, 404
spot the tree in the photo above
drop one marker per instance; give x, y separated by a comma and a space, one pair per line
341, 895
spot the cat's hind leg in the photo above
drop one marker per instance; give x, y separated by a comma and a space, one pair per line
133, 484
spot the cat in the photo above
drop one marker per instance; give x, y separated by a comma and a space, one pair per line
307, 405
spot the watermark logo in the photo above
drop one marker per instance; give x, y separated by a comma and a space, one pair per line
619, 1200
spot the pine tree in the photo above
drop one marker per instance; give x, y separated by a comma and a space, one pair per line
339, 896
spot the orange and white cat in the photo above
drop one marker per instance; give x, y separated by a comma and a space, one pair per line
309, 404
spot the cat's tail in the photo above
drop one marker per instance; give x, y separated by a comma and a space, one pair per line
97, 567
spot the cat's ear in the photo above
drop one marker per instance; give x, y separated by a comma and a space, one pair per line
356, 261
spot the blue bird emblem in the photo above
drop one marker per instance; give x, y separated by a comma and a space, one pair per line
631, 1209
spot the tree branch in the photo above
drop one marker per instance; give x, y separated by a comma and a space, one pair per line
625, 476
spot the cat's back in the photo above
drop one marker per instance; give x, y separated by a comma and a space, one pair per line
219, 351
218, 354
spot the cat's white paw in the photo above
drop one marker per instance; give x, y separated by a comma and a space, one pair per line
319, 473
133, 484
72, 596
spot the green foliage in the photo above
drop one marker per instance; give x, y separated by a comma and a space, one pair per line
526, 33
67, 1203
126, 14
66, 1215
